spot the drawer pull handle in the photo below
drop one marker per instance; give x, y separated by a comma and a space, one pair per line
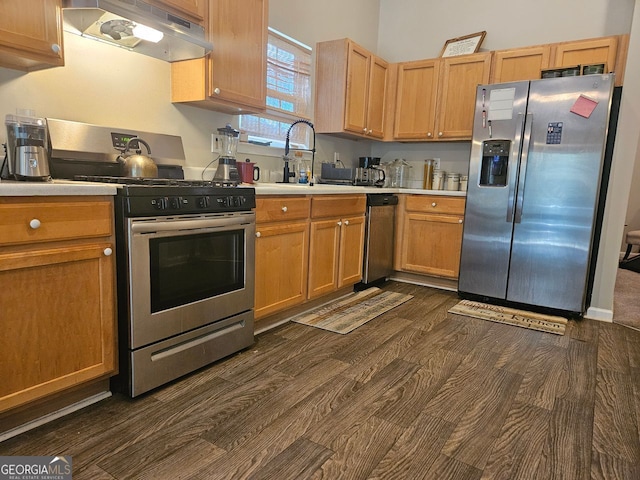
258, 234
108, 251
35, 223
284, 209
434, 204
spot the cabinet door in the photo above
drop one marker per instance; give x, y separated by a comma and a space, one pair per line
416, 100
58, 320
324, 244
351, 251
587, 52
31, 34
358, 71
520, 64
238, 65
281, 266
191, 9
458, 81
431, 244
377, 97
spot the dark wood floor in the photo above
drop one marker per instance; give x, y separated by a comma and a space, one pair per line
415, 393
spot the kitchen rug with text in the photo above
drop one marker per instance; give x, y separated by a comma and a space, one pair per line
349, 312
511, 316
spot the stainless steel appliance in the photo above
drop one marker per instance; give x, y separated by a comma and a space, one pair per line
137, 26
533, 191
185, 256
227, 170
369, 172
27, 152
333, 175
379, 236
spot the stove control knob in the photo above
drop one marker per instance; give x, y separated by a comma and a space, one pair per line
159, 203
175, 202
203, 202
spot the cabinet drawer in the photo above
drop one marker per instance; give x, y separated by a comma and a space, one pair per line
278, 209
338, 205
435, 204
29, 220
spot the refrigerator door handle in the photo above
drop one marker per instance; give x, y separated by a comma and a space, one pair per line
515, 152
523, 166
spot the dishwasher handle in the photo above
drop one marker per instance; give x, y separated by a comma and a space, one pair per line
381, 199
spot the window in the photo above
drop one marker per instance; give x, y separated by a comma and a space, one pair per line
288, 93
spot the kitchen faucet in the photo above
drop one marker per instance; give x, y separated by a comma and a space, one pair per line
286, 174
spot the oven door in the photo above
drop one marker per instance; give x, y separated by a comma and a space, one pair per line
187, 272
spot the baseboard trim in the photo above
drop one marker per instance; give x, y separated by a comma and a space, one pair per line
425, 281
53, 415
599, 314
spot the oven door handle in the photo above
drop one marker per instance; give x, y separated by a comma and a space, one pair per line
195, 224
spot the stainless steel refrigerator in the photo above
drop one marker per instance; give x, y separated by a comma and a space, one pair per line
534, 182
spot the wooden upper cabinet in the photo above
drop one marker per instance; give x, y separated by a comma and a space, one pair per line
351, 89
189, 9
232, 78
459, 78
519, 64
416, 98
586, 52
31, 34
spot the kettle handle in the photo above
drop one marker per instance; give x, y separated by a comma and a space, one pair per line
139, 140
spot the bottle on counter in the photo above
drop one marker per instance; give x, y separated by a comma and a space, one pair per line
427, 182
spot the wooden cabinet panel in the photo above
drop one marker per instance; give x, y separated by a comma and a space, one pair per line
31, 34
351, 90
232, 78
281, 266
188, 9
338, 205
586, 52
459, 78
278, 209
416, 100
58, 300
519, 64
435, 204
351, 251
323, 257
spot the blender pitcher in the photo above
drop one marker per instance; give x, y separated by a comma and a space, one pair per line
227, 169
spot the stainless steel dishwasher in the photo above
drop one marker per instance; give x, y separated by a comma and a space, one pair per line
378, 239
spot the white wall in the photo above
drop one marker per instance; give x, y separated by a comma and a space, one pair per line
414, 29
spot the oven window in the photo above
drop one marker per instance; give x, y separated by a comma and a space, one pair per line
194, 267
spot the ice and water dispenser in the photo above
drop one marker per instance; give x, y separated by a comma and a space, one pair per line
495, 158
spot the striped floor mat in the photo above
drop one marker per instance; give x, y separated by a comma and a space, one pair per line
511, 316
348, 313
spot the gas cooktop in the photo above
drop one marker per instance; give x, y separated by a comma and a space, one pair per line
154, 181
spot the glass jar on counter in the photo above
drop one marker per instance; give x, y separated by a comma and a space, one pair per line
464, 182
427, 181
453, 181
439, 179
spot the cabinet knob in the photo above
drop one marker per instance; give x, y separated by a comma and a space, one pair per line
55, 48
370, 131
339, 224
459, 220
346, 222
365, 130
439, 134
434, 204
284, 209
258, 234
35, 223
429, 134
216, 91
107, 251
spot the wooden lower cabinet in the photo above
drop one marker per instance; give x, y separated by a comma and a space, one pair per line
336, 242
429, 235
282, 253
58, 296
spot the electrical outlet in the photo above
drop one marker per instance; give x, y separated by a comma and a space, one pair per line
436, 163
215, 143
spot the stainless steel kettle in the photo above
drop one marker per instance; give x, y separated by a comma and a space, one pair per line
138, 165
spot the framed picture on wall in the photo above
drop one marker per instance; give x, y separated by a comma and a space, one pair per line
463, 45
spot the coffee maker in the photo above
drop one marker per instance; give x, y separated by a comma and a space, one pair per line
369, 172
227, 171
27, 149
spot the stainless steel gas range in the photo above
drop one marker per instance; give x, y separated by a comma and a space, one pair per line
185, 255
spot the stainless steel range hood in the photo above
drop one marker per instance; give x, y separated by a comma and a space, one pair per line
123, 22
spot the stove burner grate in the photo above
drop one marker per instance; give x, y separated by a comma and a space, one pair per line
154, 181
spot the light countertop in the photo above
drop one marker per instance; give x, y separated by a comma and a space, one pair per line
12, 188
324, 189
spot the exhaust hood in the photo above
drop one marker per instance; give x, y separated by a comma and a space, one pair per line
136, 26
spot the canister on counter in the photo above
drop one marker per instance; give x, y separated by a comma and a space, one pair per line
427, 181
453, 181
439, 179
464, 181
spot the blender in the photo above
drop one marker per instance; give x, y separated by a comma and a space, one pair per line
227, 171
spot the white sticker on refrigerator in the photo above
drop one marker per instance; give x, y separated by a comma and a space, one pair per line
501, 103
